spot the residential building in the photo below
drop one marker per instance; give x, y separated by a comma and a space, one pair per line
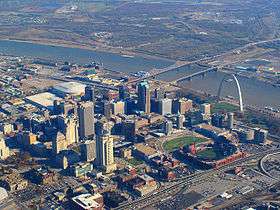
105, 153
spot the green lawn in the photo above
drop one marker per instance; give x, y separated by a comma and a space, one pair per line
224, 107
135, 162
208, 153
181, 141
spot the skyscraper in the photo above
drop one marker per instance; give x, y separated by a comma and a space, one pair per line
230, 120
159, 93
68, 125
88, 150
205, 109
181, 106
89, 93
86, 119
180, 121
260, 135
168, 127
144, 97
59, 143
118, 107
4, 150
68, 107
165, 106
107, 109
105, 153
123, 92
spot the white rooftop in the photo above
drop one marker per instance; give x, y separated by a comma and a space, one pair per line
3, 194
87, 201
71, 88
45, 99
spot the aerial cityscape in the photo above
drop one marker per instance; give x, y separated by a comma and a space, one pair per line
139, 105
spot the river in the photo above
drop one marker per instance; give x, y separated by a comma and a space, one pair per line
254, 92
111, 61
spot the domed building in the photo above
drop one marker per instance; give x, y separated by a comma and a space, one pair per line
3, 194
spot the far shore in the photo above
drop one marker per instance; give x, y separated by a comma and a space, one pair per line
61, 43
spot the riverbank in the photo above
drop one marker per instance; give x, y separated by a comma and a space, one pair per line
52, 52
252, 77
67, 44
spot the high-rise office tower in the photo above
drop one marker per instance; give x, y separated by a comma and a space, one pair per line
59, 143
68, 125
205, 109
107, 109
89, 93
155, 105
103, 126
144, 97
181, 106
130, 105
105, 153
168, 127
68, 107
88, 150
165, 106
26, 138
217, 120
71, 130
123, 92
180, 121
86, 119
230, 120
4, 150
118, 107
159, 93
260, 135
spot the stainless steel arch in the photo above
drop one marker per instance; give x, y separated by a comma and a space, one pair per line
238, 88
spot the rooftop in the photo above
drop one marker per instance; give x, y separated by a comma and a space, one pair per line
145, 149
45, 99
87, 201
211, 128
71, 88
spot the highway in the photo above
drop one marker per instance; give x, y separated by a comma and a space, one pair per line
262, 164
171, 190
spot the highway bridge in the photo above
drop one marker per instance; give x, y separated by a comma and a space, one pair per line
157, 72
178, 64
200, 73
261, 164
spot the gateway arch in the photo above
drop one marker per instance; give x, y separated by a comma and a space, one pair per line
238, 89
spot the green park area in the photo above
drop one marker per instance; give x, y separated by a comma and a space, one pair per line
182, 141
223, 107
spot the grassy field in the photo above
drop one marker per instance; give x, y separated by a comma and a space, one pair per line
208, 153
181, 141
224, 107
